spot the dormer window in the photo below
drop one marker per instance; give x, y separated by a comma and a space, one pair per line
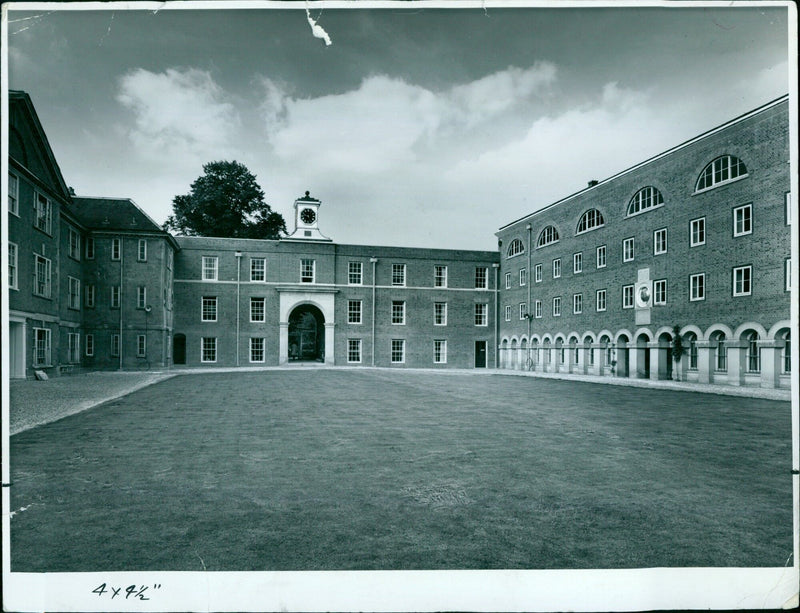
590, 220
645, 199
723, 170
548, 236
515, 248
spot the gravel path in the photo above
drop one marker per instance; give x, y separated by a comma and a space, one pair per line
33, 403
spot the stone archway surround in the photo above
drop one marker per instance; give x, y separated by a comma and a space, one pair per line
323, 299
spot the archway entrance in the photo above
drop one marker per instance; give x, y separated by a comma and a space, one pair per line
179, 349
306, 334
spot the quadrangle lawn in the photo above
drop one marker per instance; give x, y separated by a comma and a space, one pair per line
378, 469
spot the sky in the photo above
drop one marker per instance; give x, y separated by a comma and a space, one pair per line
415, 127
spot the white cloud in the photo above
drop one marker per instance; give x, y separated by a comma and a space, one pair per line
179, 113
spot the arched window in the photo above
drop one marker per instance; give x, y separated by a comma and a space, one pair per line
722, 170
590, 220
515, 248
753, 353
547, 236
721, 353
560, 350
691, 341
786, 362
546, 347
646, 198
535, 351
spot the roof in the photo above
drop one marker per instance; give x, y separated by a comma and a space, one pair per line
113, 214
307, 198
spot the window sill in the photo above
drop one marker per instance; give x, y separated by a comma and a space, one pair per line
720, 184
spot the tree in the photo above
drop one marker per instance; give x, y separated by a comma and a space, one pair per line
225, 201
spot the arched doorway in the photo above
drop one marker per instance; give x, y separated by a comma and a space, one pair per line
306, 334
179, 349
665, 356
642, 357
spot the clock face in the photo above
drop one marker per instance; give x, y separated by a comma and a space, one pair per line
308, 215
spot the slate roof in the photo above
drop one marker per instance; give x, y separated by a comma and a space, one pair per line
113, 214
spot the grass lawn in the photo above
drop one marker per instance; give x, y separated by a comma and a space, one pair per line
348, 469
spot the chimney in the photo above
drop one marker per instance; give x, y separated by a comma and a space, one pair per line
593, 182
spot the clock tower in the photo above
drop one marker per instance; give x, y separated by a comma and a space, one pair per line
306, 220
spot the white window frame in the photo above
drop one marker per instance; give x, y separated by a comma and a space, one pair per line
508, 280
46, 284
660, 292
355, 273
508, 312
89, 247
262, 349
141, 297
89, 345
660, 241
116, 345
715, 171
628, 296
254, 311
13, 194
206, 303
90, 296
308, 270
354, 311
787, 272
577, 304
601, 251
697, 232
399, 275
628, 249
746, 280
74, 245
646, 199
398, 312
601, 300
42, 213
788, 205
523, 277
141, 250
537, 273
439, 351
141, 346
212, 347
481, 314
115, 296
577, 263
440, 313
697, 287
46, 347
745, 212
210, 268
440, 275
73, 347
354, 347
74, 293
13, 266
523, 310
537, 309
398, 347
557, 268
116, 249
557, 306
481, 277
258, 270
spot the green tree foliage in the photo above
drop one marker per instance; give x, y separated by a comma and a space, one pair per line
225, 201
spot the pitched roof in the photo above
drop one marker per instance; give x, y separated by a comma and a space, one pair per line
113, 214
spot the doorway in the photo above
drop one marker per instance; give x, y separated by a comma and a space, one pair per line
179, 349
306, 334
480, 354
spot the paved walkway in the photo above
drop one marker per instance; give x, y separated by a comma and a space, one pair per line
34, 403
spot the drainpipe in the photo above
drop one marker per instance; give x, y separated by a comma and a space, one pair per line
238, 255
121, 303
496, 267
528, 280
374, 264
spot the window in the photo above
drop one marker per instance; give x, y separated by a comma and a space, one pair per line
601, 256
697, 232
90, 345
90, 295
74, 296
41, 347
523, 310
399, 312
115, 296
89, 248
210, 267
141, 297
115, 248
787, 273
753, 353
398, 350
440, 313
515, 248
74, 245
645, 199
508, 312
73, 348
590, 220
354, 350
481, 314
258, 269
141, 252
742, 276
354, 273
722, 170
257, 309
115, 345
141, 346
697, 287
398, 274
256, 349
788, 206
692, 341
208, 351
209, 311
13, 266
43, 219
557, 268
577, 263
660, 292
548, 236
627, 297
721, 362
354, 311
537, 309
557, 306
577, 304
786, 362
42, 276
523, 276
537, 272
628, 250
307, 271
440, 276
660, 241
13, 194
600, 299
743, 220
440, 352
481, 278
508, 280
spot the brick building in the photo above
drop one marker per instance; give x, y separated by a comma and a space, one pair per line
697, 238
